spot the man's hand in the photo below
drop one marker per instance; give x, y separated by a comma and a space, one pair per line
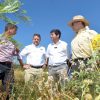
26, 66
69, 63
44, 66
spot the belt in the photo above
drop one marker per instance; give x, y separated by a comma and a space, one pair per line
6, 63
36, 67
81, 59
57, 65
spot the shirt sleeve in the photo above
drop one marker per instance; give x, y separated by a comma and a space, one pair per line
68, 51
47, 52
44, 54
24, 52
92, 34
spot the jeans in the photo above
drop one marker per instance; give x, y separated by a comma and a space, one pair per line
7, 77
82, 65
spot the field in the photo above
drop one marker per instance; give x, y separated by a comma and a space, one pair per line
84, 85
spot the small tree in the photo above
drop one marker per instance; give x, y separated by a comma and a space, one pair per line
12, 7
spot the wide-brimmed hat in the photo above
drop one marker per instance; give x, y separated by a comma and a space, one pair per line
78, 18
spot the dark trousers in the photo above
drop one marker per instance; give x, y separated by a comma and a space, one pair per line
7, 77
81, 64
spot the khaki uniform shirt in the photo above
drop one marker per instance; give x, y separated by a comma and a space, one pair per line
81, 44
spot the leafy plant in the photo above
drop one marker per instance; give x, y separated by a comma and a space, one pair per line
12, 7
83, 85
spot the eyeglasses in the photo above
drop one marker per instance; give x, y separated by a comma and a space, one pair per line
76, 22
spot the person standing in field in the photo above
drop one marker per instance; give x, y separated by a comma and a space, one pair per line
81, 45
8, 49
35, 58
57, 56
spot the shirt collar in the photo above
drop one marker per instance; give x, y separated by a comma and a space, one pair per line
57, 42
35, 45
81, 30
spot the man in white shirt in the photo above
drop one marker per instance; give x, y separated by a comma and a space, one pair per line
57, 55
35, 56
82, 43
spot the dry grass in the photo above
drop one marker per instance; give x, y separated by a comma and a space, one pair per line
44, 88
19, 74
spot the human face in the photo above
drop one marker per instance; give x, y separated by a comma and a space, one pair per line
54, 37
77, 26
12, 31
36, 40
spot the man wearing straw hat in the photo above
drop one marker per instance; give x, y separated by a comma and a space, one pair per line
81, 44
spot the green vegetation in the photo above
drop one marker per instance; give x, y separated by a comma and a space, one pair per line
84, 85
12, 7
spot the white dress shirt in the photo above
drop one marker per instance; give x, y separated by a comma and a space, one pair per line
35, 55
81, 44
57, 53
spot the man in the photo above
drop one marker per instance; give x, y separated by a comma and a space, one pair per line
7, 51
57, 55
35, 55
82, 43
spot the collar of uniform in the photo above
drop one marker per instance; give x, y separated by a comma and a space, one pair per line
81, 30
57, 42
35, 45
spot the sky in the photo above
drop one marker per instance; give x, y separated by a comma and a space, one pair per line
50, 14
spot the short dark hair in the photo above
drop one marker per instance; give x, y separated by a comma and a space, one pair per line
10, 26
36, 34
56, 31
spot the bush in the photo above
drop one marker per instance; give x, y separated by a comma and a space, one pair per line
83, 85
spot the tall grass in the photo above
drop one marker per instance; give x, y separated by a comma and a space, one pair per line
84, 85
